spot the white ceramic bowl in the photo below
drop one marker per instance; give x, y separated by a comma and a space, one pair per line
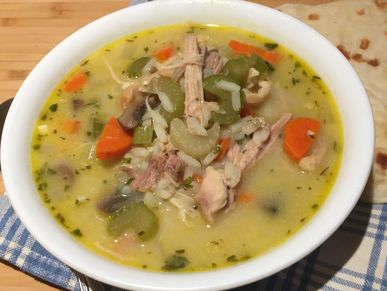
316, 50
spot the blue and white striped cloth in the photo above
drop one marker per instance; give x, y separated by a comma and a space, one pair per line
354, 258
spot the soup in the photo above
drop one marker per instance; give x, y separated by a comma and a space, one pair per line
187, 148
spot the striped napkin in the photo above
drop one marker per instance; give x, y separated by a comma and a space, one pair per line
354, 258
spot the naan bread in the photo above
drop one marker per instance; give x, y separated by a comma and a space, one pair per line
359, 29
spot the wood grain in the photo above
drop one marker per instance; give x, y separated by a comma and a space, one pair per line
29, 29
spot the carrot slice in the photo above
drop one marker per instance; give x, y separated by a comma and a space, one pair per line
245, 198
165, 53
114, 141
72, 125
241, 48
246, 111
76, 82
224, 146
299, 136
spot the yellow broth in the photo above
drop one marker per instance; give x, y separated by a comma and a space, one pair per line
286, 197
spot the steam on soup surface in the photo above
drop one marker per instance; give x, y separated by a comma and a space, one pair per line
187, 148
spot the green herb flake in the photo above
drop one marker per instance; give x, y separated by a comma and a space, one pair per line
42, 186
271, 46
295, 81
110, 96
53, 107
335, 147
43, 117
84, 62
180, 251
146, 49
297, 65
314, 78
214, 265
129, 181
314, 206
324, 171
60, 218
175, 262
36, 146
46, 198
66, 188
77, 232
187, 183
232, 258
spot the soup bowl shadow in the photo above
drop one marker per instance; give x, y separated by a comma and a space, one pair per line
318, 52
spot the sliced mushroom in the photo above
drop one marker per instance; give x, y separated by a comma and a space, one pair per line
132, 114
78, 104
64, 171
112, 203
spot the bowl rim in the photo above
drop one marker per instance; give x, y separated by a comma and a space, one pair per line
18, 182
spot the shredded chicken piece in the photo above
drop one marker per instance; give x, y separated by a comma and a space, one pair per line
246, 157
212, 195
194, 97
127, 95
312, 161
214, 61
195, 106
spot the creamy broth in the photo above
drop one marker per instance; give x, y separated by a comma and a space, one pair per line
273, 200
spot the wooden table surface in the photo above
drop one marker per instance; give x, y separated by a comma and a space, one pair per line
28, 30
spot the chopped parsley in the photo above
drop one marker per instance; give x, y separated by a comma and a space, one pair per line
232, 258
77, 232
53, 107
175, 262
295, 81
84, 62
129, 181
126, 160
324, 171
60, 218
187, 183
271, 46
